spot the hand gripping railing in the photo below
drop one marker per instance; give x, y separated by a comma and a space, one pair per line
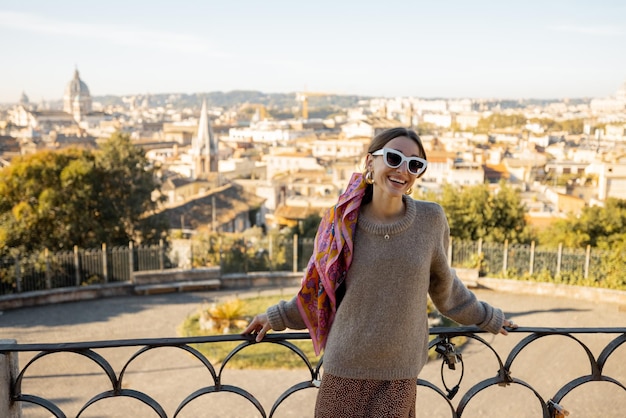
441, 343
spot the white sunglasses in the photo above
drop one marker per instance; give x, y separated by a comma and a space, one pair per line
394, 159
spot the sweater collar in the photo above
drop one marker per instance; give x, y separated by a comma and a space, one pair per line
410, 211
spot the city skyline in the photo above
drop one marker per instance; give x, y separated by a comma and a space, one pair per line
482, 49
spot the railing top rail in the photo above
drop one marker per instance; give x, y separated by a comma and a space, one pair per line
164, 342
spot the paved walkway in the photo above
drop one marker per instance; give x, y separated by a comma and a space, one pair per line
169, 375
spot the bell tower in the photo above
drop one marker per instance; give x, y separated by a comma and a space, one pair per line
204, 146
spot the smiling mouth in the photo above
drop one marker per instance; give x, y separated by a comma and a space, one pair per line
397, 180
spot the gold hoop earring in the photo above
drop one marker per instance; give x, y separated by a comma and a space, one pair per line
409, 192
369, 177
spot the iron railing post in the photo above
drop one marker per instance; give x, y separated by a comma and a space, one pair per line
559, 257
9, 369
76, 267
295, 253
18, 273
587, 260
161, 255
531, 266
505, 257
105, 263
131, 261
48, 273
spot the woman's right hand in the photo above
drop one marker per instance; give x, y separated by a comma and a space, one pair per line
259, 326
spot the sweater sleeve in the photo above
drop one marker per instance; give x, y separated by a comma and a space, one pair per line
452, 298
285, 315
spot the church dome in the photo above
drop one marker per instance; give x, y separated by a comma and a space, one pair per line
76, 87
24, 99
77, 99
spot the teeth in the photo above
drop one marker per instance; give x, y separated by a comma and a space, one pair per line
396, 180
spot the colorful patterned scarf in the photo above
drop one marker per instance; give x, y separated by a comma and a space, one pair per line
328, 266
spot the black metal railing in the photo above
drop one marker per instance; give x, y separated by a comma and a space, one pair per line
452, 357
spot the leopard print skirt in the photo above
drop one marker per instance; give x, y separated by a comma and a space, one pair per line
339, 397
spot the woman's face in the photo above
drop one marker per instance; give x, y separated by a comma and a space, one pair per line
393, 181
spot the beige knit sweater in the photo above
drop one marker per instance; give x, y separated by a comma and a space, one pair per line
380, 330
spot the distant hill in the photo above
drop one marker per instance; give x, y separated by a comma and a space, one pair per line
288, 102
235, 98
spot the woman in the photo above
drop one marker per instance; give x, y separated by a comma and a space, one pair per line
378, 255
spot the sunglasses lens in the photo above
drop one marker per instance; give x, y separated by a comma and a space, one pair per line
415, 166
393, 159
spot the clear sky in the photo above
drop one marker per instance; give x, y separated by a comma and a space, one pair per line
455, 48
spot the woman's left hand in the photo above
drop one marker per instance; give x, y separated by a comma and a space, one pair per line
259, 325
507, 324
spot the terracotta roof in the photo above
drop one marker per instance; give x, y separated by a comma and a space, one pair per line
298, 213
439, 156
494, 173
540, 222
380, 122
175, 182
290, 215
9, 144
52, 114
230, 202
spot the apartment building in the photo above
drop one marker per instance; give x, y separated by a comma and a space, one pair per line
611, 177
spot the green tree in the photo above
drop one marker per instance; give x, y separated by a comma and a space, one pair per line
47, 199
613, 263
426, 128
307, 228
76, 197
596, 226
477, 213
573, 126
128, 188
508, 221
500, 121
603, 228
